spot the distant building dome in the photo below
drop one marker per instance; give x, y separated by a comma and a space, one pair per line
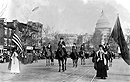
102, 21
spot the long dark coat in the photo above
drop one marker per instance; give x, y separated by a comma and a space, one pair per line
101, 66
74, 54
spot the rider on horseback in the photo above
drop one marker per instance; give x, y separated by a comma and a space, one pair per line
74, 47
74, 53
49, 47
62, 44
82, 49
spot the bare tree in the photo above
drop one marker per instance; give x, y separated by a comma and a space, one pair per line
96, 39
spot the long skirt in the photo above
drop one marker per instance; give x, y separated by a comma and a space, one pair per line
101, 69
15, 68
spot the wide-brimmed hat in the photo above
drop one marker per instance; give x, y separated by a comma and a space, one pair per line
101, 46
61, 38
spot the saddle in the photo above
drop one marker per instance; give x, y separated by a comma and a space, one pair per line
47, 52
82, 53
60, 52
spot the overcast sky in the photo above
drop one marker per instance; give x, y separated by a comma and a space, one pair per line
71, 16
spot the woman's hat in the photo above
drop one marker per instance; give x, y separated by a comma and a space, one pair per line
101, 46
74, 43
61, 38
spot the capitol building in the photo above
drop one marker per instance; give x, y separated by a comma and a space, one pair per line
103, 25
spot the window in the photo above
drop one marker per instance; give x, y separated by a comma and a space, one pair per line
6, 31
10, 31
5, 41
9, 42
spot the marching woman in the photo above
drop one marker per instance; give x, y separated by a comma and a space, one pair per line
101, 60
15, 68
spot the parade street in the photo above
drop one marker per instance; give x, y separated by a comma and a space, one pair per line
38, 72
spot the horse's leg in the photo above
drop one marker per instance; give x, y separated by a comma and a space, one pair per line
81, 60
63, 61
53, 62
84, 61
49, 61
46, 61
76, 62
73, 62
59, 64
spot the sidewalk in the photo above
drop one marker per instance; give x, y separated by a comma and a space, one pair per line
119, 72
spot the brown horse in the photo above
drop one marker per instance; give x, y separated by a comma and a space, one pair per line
82, 56
62, 58
74, 56
48, 57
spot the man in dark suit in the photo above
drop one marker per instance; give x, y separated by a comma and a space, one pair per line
49, 47
74, 47
62, 44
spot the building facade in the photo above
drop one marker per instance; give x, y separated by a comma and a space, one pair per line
103, 26
35, 31
30, 34
5, 34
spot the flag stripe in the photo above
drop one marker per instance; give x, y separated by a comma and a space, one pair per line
17, 41
17, 37
17, 44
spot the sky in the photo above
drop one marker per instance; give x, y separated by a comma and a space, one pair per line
67, 16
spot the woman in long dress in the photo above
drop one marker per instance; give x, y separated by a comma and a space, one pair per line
15, 63
101, 63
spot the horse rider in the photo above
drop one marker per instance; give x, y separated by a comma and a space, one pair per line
62, 44
49, 47
74, 47
82, 49
74, 50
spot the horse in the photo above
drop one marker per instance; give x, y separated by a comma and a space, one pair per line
48, 57
82, 56
62, 58
74, 56
87, 55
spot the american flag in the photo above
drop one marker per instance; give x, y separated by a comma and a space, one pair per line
16, 39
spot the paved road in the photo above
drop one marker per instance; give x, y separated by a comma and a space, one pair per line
38, 72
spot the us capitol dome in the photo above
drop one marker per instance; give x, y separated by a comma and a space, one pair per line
103, 25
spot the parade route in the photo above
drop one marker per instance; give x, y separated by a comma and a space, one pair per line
38, 72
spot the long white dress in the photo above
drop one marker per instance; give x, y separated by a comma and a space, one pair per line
15, 68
